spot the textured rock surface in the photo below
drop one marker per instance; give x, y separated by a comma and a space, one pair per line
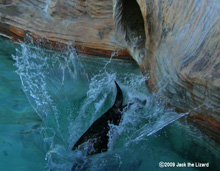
176, 42
87, 24
182, 50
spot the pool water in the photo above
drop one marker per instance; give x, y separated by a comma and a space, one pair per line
20, 126
49, 99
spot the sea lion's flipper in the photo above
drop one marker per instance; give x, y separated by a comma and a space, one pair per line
119, 97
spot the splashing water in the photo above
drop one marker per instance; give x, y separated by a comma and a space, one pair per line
69, 93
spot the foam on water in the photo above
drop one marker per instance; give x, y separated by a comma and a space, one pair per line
69, 93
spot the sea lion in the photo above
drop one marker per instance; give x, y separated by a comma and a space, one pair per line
96, 137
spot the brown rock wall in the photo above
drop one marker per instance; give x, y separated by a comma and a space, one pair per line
181, 51
83, 23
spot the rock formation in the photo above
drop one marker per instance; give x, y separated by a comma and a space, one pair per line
176, 42
86, 24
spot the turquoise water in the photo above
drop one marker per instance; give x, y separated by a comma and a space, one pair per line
21, 139
48, 99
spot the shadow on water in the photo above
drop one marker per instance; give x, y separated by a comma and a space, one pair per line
69, 93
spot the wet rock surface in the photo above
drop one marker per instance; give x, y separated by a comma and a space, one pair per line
182, 52
87, 25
